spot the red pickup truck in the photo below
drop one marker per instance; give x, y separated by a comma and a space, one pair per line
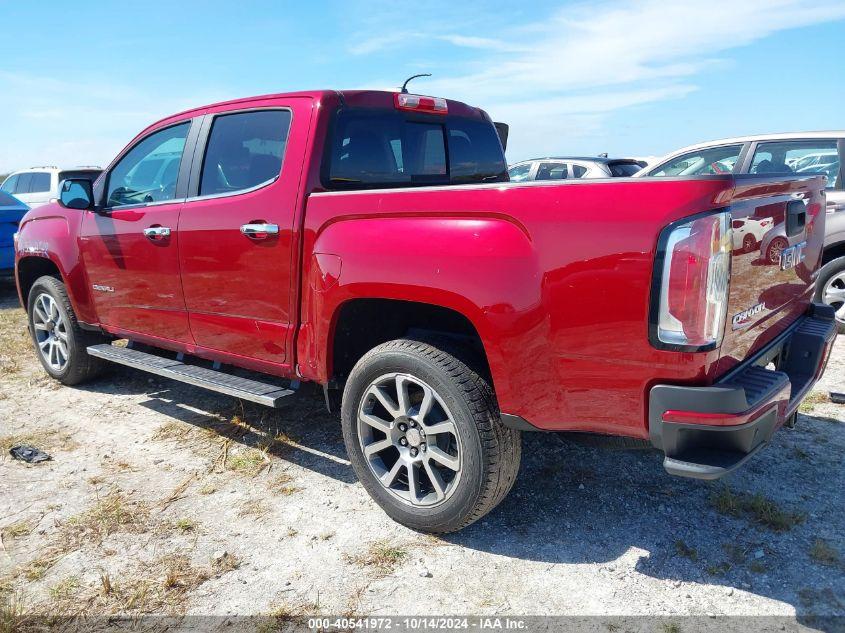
371, 242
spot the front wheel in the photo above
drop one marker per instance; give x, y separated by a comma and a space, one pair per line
831, 289
59, 341
424, 436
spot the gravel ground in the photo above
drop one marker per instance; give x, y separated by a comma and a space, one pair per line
163, 498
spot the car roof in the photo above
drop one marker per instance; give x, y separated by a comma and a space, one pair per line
52, 168
781, 136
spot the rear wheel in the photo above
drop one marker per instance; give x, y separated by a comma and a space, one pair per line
776, 247
831, 289
59, 341
424, 436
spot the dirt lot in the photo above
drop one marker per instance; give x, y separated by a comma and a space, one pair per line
163, 498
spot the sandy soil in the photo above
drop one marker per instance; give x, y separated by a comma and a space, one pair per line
163, 498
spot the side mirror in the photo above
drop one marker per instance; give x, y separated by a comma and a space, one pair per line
76, 193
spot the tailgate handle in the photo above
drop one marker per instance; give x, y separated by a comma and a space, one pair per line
796, 217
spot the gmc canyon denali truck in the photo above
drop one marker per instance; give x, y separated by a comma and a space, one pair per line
371, 242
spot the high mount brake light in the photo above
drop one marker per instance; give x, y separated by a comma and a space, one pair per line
420, 103
693, 284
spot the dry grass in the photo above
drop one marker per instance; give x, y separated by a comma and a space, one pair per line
16, 530
185, 525
755, 508
247, 461
16, 349
46, 440
382, 556
111, 514
822, 552
159, 586
281, 485
813, 399
254, 509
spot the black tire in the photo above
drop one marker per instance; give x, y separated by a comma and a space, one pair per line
489, 452
833, 268
80, 367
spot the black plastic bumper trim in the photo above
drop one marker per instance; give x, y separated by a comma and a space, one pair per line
710, 451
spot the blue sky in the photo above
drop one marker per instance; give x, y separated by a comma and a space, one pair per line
629, 78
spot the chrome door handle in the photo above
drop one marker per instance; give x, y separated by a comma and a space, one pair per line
833, 207
260, 231
157, 232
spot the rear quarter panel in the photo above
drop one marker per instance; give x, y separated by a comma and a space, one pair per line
555, 278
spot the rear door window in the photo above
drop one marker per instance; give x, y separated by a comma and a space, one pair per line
708, 161
40, 182
798, 157
578, 171
552, 171
244, 150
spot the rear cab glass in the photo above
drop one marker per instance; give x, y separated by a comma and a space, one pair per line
377, 148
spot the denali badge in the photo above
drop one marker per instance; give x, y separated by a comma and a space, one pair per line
741, 319
102, 288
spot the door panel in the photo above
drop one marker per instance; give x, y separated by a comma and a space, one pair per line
130, 248
237, 283
135, 279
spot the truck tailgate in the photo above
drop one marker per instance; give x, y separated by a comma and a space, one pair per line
778, 234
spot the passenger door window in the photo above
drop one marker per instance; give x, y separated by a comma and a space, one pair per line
713, 160
244, 150
551, 171
40, 182
520, 173
798, 157
148, 172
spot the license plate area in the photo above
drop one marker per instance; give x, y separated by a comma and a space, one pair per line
792, 256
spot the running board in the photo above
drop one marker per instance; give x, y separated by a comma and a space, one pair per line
244, 388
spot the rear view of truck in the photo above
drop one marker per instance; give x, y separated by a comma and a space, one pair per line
750, 299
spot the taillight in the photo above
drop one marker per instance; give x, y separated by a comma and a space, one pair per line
419, 103
692, 284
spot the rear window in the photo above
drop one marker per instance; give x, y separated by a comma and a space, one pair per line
379, 148
622, 170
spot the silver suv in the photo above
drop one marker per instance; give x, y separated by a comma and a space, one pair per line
797, 153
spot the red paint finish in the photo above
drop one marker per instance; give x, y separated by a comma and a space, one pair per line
556, 278
134, 280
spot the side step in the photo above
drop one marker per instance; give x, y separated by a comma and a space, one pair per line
244, 388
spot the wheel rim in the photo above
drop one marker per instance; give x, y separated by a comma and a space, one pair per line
409, 440
50, 328
775, 251
833, 294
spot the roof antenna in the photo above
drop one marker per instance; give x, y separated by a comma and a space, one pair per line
404, 90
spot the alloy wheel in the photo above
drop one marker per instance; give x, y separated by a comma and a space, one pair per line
833, 294
409, 439
51, 334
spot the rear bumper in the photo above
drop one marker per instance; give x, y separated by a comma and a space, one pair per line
707, 432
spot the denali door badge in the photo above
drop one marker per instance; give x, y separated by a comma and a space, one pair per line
102, 288
741, 319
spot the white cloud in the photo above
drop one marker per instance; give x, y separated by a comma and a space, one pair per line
620, 54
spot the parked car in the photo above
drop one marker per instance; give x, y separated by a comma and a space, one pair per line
801, 153
369, 242
563, 168
40, 185
11, 212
